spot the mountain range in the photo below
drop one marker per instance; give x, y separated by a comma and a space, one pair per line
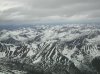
49, 49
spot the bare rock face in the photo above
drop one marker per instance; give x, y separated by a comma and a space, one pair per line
96, 63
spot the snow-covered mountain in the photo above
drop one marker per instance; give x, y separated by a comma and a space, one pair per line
59, 49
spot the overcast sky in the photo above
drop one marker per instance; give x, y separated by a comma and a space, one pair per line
33, 10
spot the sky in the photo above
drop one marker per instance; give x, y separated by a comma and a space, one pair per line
49, 10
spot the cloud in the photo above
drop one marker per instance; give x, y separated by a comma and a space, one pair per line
31, 10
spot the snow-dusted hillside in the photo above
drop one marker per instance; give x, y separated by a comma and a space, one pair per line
61, 48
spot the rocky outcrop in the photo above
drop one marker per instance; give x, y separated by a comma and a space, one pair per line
96, 64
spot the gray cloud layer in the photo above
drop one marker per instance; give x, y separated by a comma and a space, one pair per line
30, 10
